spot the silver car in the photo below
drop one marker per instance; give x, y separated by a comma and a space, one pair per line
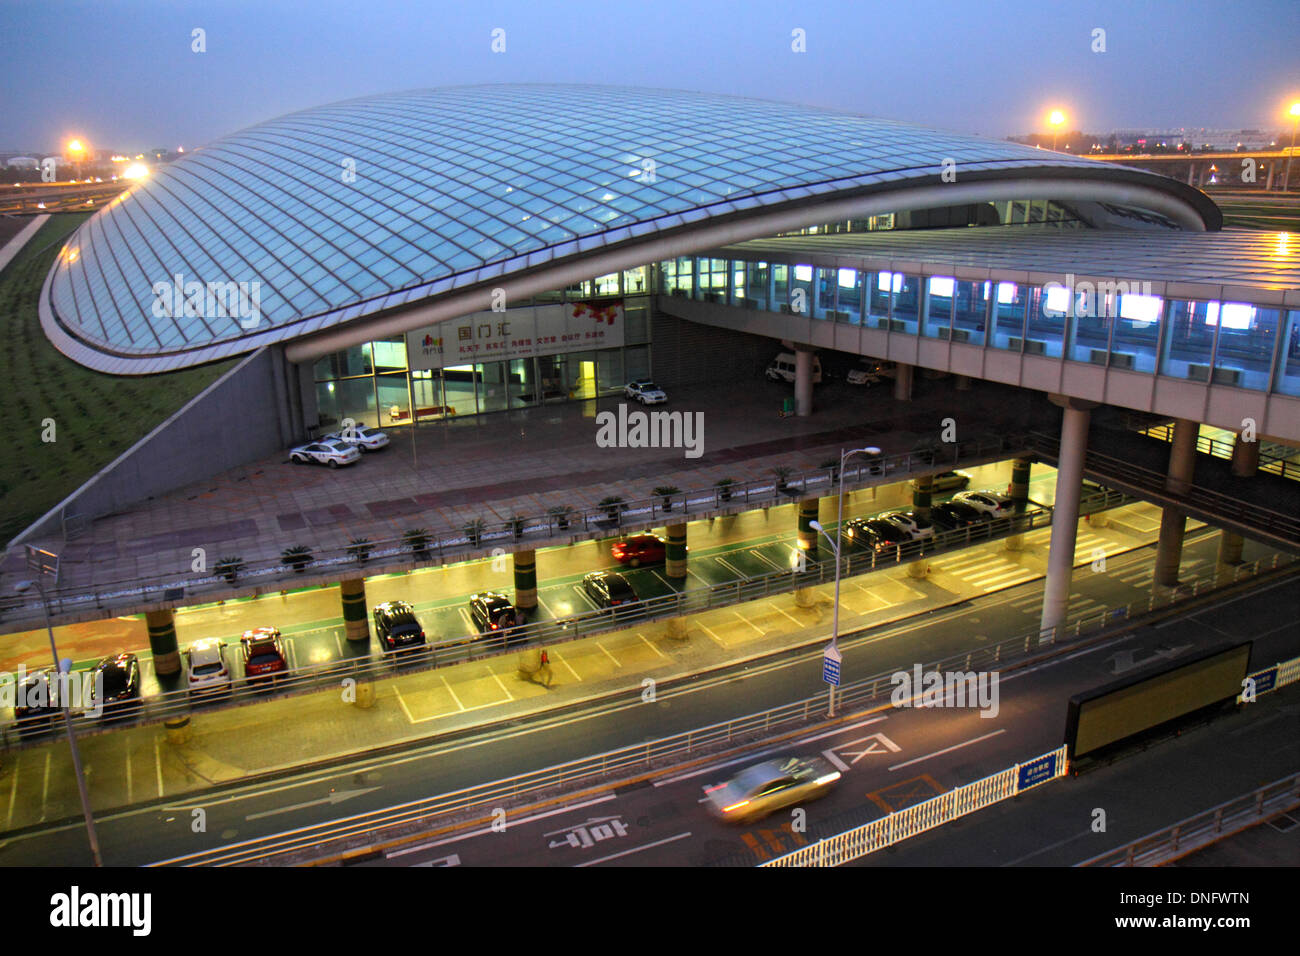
328, 451
366, 439
759, 790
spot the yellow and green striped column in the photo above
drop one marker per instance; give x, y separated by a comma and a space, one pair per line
356, 622
162, 641
525, 580
675, 551
1019, 493
808, 510
922, 492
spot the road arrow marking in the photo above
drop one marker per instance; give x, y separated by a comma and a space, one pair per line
338, 796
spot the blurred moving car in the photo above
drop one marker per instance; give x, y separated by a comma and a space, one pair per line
397, 627
329, 451
988, 501
206, 667
640, 549
948, 480
262, 650
763, 789
117, 686
954, 514
366, 439
644, 391
36, 701
492, 611
608, 589
865, 376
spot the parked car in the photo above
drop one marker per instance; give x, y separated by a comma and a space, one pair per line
645, 391
206, 667
397, 627
990, 502
117, 686
875, 534
868, 373
954, 514
36, 701
365, 439
771, 785
330, 451
782, 369
916, 527
608, 589
491, 611
262, 650
948, 480
639, 549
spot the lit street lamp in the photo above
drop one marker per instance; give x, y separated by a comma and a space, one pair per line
1055, 119
835, 547
1295, 112
22, 587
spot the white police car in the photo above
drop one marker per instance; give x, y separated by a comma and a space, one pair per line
328, 451
645, 391
366, 439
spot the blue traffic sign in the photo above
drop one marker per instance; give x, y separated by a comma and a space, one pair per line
831, 658
1036, 772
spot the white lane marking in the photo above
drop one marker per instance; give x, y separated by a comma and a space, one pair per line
452, 692
157, 762
566, 664
451, 860
830, 755
938, 753
1051, 846
637, 849
759, 754
45, 787
608, 654
888, 745
401, 702
744, 620
786, 613
509, 696
338, 796
13, 794
338, 642
130, 793
488, 829
713, 637
739, 574
652, 647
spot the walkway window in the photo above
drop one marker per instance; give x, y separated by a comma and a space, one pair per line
1189, 340
1288, 365
849, 282
635, 281
970, 304
1245, 350
801, 290
883, 287
607, 284
938, 309
827, 302
907, 303
756, 279
1009, 312
713, 281
780, 288
1045, 331
1137, 331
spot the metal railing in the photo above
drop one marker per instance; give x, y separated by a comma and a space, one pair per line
1199, 831
522, 531
446, 652
1278, 523
1273, 463
909, 822
368, 828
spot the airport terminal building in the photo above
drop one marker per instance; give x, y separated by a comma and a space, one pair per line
430, 255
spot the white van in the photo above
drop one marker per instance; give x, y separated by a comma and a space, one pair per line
781, 369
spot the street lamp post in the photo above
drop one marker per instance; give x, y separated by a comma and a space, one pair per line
1295, 112
1055, 119
835, 547
91, 835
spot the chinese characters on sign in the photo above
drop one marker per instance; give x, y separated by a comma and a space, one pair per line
516, 334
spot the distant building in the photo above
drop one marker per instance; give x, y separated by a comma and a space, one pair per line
23, 162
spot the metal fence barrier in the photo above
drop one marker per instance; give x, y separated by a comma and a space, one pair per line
1199, 831
909, 822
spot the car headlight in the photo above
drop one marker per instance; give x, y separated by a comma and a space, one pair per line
828, 778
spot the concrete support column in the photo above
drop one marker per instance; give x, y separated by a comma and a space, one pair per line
675, 551
525, 563
803, 382
902, 382
162, 641
922, 492
1245, 463
808, 511
1019, 492
1191, 174
1268, 185
962, 383
1173, 521
1076, 417
356, 622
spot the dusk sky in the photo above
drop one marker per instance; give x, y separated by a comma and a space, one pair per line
122, 74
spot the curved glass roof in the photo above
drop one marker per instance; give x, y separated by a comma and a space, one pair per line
358, 207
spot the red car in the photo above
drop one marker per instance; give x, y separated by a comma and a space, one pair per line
263, 653
639, 549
